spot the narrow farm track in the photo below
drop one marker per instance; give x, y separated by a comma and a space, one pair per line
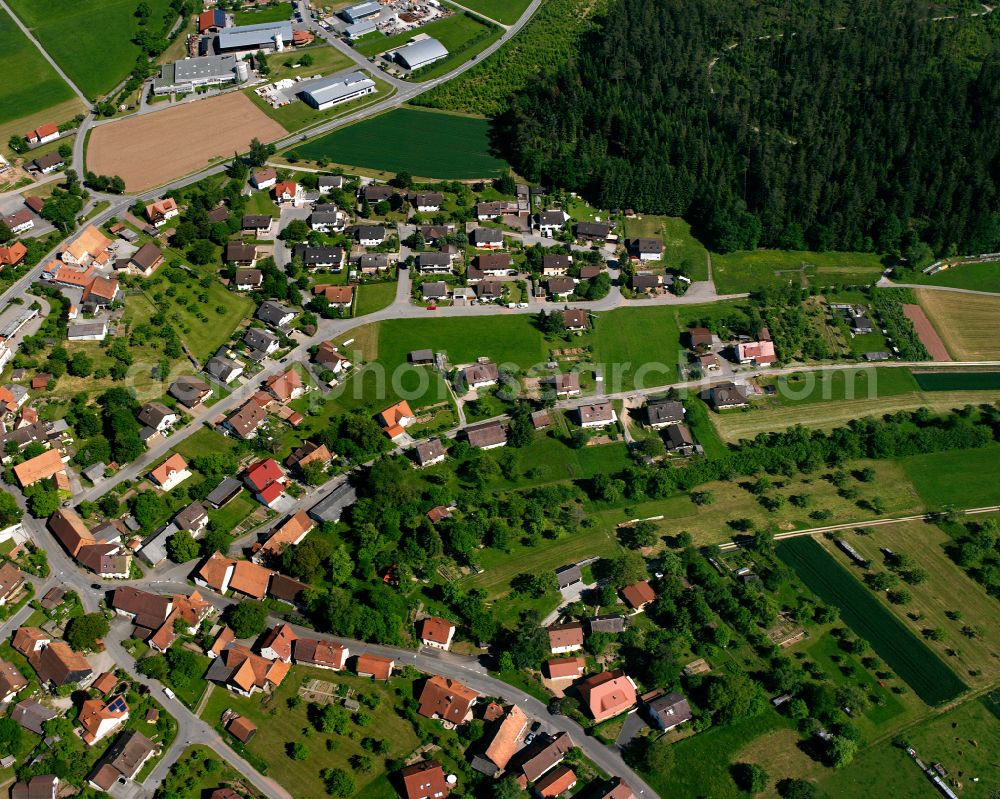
833, 528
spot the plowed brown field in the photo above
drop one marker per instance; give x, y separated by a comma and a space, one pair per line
156, 148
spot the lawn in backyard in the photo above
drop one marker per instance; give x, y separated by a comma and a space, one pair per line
423, 143
276, 12
929, 677
679, 245
947, 590
753, 270
505, 11
964, 740
279, 725
701, 762
205, 442
374, 297
30, 84
963, 478
90, 39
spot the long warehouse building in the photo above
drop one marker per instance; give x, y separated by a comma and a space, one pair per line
333, 91
420, 53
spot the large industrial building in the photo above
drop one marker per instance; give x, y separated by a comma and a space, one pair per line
420, 53
360, 11
271, 37
333, 91
187, 75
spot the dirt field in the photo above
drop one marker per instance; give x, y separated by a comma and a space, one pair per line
966, 322
155, 148
928, 335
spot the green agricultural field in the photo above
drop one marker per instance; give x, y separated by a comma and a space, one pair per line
964, 740
277, 12
374, 297
637, 347
427, 144
461, 34
505, 11
758, 269
947, 592
30, 84
977, 277
958, 381
906, 654
90, 39
806, 388
960, 479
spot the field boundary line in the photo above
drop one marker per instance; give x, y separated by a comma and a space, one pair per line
31, 37
833, 528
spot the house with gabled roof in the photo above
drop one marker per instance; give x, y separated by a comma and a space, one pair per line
171, 473
239, 670
607, 694
374, 666
436, 632
507, 738
99, 718
320, 654
250, 579
446, 699
565, 638
278, 643
396, 418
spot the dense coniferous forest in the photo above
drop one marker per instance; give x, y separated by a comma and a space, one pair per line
855, 126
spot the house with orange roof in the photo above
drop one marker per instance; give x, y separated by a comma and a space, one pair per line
70, 529
288, 191
30, 639
291, 532
241, 671
41, 467
286, 386
225, 637
99, 718
446, 699
436, 632
308, 453
505, 742
565, 668
43, 133
159, 211
607, 694
278, 643
101, 291
172, 472
73, 276
374, 666
338, 296
425, 780
190, 610
215, 573
12, 254
91, 245
556, 782
396, 418
250, 579
638, 595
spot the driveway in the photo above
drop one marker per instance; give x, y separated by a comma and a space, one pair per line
634, 724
